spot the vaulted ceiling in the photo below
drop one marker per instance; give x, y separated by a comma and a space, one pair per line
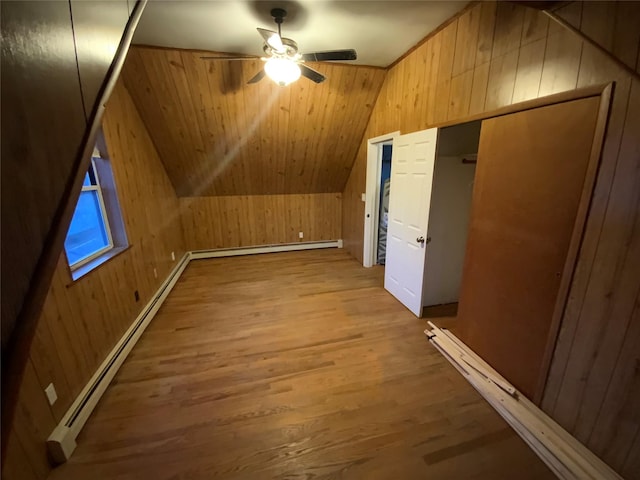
216, 135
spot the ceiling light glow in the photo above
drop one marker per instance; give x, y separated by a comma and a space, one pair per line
282, 70
275, 42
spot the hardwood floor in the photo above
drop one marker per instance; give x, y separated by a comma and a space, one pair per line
293, 366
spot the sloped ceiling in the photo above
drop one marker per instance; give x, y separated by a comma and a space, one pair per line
218, 136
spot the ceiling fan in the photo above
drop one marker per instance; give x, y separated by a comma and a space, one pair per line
283, 63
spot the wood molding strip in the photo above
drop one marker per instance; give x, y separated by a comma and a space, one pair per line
562, 22
558, 449
25, 325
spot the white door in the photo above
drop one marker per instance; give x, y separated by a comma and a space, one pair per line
412, 164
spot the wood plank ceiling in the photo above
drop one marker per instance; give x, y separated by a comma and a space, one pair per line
216, 135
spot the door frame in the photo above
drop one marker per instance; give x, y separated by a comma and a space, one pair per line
372, 196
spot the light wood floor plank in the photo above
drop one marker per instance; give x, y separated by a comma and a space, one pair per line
292, 365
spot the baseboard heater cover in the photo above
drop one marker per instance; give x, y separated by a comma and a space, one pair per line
62, 441
281, 247
557, 448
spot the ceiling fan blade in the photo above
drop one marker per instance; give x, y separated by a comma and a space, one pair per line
311, 74
257, 77
272, 39
252, 57
349, 54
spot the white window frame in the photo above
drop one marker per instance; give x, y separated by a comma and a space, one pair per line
105, 217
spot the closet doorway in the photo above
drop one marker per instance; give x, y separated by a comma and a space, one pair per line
374, 222
448, 217
449, 212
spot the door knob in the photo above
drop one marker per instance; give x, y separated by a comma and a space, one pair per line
420, 240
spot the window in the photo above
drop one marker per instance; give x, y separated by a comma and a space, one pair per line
89, 235
97, 231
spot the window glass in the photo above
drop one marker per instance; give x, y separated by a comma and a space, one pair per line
87, 181
96, 233
87, 234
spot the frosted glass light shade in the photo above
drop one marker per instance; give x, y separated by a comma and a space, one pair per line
282, 70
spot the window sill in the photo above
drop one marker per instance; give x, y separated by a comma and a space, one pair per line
80, 272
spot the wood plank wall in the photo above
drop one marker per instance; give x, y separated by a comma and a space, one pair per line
44, 48
498, 54
81, 321
50, 85
240, 221
218, 136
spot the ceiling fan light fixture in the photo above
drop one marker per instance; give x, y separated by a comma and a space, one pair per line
283, 71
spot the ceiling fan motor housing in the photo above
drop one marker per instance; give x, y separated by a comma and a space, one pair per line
278, 14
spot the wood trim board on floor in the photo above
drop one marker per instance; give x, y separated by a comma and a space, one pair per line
556, 447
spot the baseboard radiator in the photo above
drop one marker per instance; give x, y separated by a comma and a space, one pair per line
558, 449
282, 247
62, 441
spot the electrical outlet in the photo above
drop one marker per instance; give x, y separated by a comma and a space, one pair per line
300, 234
173, 256
364, 197
50, 391
155, 273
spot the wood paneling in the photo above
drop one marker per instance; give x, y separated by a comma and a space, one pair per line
460, 95
609, 26
529, 71
502, 79
445, 69
535, 27
336, 365
479, 88
508, 29
486, 31
219, 136
81, 321
593, 378
44, 130
240, 221
561, 63
466, 41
